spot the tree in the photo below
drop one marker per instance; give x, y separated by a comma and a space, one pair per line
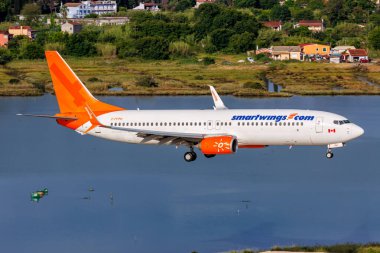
279, 12
220, 38
247, 3
335, 11
4, 7
5, 56
31, 12
302, 31
304, 14
32, 50
375, 19
267, 37
374, 38
268, 4
78, 45
153, 47
240, 43
183, 5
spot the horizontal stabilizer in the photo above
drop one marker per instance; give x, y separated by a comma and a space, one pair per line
47, 116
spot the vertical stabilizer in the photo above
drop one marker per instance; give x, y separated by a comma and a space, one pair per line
72, 95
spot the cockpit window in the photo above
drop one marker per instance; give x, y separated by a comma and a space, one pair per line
341, 122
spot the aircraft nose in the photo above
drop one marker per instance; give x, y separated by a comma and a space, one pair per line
357, 131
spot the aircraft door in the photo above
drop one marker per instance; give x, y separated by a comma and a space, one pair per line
319, 125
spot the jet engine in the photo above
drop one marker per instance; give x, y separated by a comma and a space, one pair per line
218, 145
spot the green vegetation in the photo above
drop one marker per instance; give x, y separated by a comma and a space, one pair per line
178, 77
338, 248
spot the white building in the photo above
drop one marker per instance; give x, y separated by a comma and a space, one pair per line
80, 10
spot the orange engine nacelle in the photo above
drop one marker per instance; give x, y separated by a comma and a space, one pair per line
218, 145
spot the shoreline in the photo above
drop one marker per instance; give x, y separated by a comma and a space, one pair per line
117, 77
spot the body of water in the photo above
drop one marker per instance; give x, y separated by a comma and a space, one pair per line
148, 199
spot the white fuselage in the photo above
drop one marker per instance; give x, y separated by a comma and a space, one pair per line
250, 127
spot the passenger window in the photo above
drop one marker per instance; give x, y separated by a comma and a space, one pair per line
266, 123
165, 124
173, 123
230, 123
292, 123
191, 123
238, 123
242, 123
160, 123
301, 123
170, 124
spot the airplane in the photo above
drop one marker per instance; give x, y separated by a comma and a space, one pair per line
217, 131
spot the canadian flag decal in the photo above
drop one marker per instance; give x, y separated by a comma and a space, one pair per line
331, 130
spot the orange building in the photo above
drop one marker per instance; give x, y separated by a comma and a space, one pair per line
20, 30
4, 38
315, 49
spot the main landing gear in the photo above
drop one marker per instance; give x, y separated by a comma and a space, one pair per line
190, 156
329, 154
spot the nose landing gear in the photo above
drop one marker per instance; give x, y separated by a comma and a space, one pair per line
190, 156
329, 154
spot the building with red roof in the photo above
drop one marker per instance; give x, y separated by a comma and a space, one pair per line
356, 55
275, 25
312, 25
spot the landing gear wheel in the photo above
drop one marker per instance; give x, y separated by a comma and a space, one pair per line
209, 156
329, 154
190, 156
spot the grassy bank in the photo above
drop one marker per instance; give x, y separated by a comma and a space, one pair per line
191, 77
337, 248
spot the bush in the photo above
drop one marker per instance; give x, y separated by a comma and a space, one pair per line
93, 79
198, 77
32, 51
106, 49
5, 56
156, 48
253, 85
79, 45
146, 81
208, 60
14, 81
262, 57
180, 49
55, 46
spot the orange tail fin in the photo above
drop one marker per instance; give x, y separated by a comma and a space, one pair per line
71, 94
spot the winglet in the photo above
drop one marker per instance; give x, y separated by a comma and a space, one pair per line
219, 105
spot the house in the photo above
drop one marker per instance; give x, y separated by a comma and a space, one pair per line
282, 53
21, 31
4, 38
71, 27
80, 10
357, 55
151, 6
312, 25
199, 2
275, 25
341, 49
148, 7
311, 49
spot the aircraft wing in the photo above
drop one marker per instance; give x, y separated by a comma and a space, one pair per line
166, 137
